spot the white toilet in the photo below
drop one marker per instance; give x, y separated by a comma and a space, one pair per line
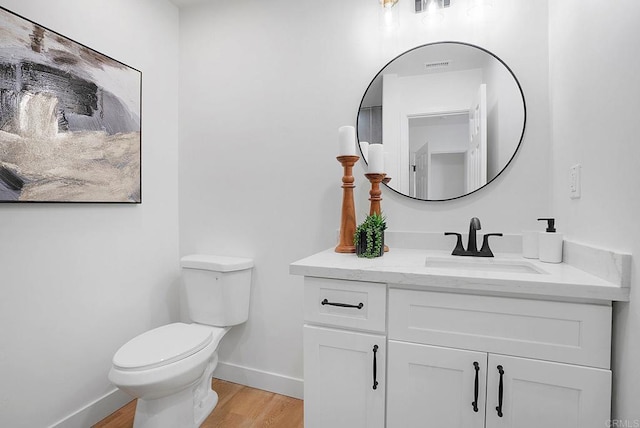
169, 368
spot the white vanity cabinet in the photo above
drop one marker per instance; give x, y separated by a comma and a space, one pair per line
483, 361
345, 350
443, 345
379, 356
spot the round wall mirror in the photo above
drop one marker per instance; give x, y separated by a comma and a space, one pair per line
450, 117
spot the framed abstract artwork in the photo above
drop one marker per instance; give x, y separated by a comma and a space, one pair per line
70, 119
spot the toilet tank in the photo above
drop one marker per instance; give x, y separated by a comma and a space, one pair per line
217, 288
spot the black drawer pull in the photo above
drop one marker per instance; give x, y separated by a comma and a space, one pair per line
476, 366
375, 367
500, 392
342, 305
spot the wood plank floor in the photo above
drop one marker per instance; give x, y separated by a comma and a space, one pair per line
238, 407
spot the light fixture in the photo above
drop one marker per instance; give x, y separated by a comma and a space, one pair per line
431, 6
431, 9
389, 16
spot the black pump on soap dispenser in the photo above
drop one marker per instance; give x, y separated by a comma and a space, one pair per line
551, 223
550, 244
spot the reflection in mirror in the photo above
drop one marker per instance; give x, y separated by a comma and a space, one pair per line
450, 117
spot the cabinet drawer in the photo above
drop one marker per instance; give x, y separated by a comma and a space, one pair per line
352, 304
564, 332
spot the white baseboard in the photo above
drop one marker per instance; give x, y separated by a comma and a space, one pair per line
99, 409
273, 382
96, 411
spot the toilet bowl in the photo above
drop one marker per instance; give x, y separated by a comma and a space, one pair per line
169, 368
157, 365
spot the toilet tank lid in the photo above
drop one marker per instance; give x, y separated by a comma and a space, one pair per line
216, 263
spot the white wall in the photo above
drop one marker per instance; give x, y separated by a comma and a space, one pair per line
504, 119
77, 281
595, 99
445, 134
264, 87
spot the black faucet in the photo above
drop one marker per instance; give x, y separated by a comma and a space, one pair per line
474, 225
472, 248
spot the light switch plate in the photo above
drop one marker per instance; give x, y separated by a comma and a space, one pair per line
574, 181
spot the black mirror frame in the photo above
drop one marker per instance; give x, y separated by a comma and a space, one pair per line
524, 119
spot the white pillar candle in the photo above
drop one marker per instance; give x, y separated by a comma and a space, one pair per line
364, 148
346, 141
376, 159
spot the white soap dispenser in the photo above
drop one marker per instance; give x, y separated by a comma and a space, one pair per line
550, 243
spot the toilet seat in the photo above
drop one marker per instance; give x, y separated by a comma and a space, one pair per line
165, 345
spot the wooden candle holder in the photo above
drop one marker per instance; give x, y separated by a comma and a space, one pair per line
375, 194
348, 219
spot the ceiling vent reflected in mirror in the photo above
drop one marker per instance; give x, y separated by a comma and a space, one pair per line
437, 65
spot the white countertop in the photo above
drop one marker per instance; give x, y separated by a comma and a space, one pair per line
406, 268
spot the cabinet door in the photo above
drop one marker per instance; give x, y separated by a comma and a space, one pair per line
339, 385
430, 386
544, 394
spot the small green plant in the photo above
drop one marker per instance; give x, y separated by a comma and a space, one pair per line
372, 231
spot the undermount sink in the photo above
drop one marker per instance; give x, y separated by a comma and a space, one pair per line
483, 265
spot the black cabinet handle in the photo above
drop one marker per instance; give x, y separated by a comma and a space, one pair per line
375, 367
500, 392
342, 305
476, 366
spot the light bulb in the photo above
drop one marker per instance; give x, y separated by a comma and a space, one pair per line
389, 15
